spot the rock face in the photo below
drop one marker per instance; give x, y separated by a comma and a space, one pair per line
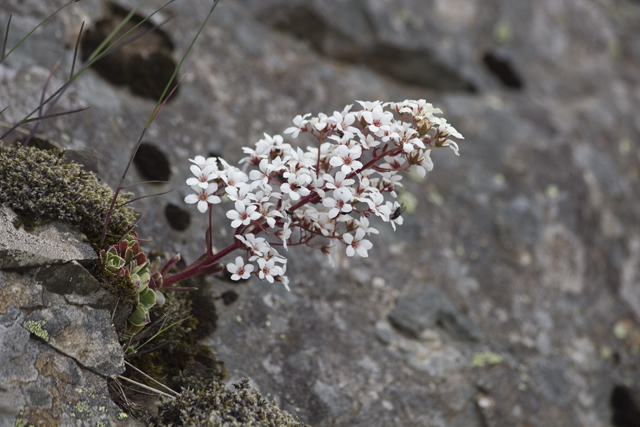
56, 331
510, 296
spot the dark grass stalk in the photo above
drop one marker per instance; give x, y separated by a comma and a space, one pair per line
40, 110
30, 32
6, 38
142, 197
159, 105
75, 51
50, 116
144, 182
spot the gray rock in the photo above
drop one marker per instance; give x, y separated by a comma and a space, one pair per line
54, 243
82, 333
553, 287
56, 332
79, 287
430, 308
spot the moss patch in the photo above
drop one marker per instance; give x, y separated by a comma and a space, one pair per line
219, 406
40, 186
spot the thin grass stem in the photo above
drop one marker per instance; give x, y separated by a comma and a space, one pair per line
30, 32
175, 393
146, 387
6, 38
75, 52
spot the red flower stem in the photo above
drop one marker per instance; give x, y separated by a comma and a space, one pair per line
195, 269
210, 233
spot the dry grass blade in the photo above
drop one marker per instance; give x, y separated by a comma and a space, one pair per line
151, 378
145, 387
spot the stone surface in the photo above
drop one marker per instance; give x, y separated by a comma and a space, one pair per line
532, 234
54, 243
56, 337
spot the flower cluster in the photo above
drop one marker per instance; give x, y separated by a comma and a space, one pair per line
325, 193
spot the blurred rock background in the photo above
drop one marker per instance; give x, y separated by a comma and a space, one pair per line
510, 296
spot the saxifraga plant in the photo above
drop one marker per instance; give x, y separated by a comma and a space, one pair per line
326, 193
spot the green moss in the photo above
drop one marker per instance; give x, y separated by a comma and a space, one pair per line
41, 186
217, 405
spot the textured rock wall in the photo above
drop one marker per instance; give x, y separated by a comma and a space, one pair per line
510, 296
57, 338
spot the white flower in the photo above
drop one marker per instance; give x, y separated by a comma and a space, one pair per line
369, 105
451, 144
202, 176
326, 225
339, 203
296, 186
377, 119
356, 244
258, 246
445, 129
261, 175
319, 123
204, 196
347, 158
396, 214
364, 225
300, 123
344, 120
369, 141
240, 193
266, 145
267, 269
243, 214
234, 176
424, 164
202, 162
337, 182
285, 233
239, 270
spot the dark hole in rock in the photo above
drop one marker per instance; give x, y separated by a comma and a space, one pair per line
503, 69
303, 23
624, 412
229, 297
144, 65
178, 218
152, 163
